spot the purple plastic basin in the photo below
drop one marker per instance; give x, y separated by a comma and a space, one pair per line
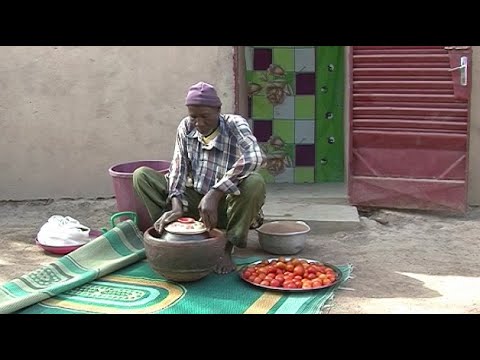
122, 177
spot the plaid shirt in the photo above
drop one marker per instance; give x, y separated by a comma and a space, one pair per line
221, 164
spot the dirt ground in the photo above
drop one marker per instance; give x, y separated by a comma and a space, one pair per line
404, 262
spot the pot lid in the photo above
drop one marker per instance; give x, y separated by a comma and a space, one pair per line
186, 226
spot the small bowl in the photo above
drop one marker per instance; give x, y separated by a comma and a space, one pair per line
64, 250
283, 237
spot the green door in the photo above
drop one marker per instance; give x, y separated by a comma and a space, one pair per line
296, 96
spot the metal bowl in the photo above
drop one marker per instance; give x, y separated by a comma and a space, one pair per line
283, 237
179, 231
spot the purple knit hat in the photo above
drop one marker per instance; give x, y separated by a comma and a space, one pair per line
202, 94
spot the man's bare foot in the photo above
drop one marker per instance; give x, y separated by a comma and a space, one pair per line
225, 264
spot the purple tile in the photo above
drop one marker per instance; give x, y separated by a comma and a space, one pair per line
262, 59
262, 129
250, 101
305, 155
305, 84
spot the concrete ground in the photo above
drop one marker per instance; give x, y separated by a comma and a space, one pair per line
404, 262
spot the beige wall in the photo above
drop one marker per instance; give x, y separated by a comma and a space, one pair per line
68, 113
474, 151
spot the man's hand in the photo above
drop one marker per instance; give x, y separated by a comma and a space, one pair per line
208, 208
169, 216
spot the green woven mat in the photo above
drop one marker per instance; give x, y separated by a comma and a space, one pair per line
110, 275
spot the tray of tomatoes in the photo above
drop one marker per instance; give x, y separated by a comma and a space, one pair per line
290, 274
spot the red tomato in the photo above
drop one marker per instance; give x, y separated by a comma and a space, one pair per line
311, 276
299, 270
262, 270
275, 283
327, 281
291, 285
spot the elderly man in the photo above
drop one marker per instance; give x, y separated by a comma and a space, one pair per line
212, 175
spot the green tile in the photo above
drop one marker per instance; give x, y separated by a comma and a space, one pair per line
290, 151
256, 76
285, 129
269, 179
259, 77
304, 175
285, 151
305, 107
262, 108
290, 78
285, 58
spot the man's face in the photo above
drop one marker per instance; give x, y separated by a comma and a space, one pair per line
204, 118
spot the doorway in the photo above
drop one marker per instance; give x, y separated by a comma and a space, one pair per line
296, 108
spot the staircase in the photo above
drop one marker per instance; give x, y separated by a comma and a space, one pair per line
324, 207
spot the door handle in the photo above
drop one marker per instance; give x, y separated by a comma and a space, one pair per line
463, 70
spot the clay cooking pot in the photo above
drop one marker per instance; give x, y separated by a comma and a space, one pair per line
185, 251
